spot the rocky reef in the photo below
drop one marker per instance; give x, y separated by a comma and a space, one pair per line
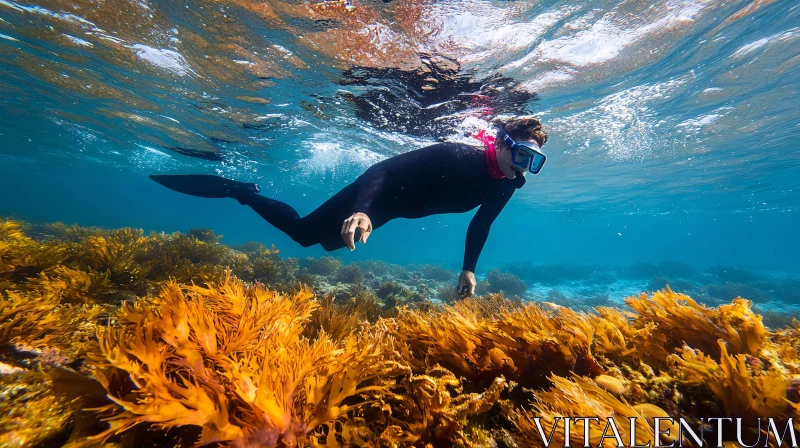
116, 338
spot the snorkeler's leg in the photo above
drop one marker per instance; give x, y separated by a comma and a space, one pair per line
324, 224
326, 221
282, 216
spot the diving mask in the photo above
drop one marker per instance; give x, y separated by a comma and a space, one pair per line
525, 155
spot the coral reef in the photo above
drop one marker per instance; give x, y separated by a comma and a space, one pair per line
395, 295
321, 266
373, 268
120, 338
546, 274
508, 284
434, 272
350, 274
447, 294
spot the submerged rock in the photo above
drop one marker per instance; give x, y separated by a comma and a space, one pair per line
30, 413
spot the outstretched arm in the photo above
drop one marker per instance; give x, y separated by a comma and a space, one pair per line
478, 231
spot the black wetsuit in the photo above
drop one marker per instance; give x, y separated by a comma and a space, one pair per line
441, 178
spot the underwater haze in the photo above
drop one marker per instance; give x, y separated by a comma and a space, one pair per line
674, 126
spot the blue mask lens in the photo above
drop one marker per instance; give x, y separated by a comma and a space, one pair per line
535, 157
520, 157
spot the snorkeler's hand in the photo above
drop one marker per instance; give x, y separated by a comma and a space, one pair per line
358, 222
466, 284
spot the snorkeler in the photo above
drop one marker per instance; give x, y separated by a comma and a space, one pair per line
441, 178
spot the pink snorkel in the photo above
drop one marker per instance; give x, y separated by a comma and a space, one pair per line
491, 155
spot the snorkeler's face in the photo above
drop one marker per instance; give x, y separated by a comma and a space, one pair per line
509, 169
525, 155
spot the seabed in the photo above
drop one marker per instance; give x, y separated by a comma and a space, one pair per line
116, 338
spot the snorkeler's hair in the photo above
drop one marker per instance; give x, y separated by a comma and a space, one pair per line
522, 128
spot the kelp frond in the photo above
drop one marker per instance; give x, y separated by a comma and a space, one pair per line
21, 256
25, 319
115, 253
434, 408
336, 320
581, 397
744, 391
615, 337
72, 285
520, 342
679, 319
231, 359
189, 259
44, 325
42, 320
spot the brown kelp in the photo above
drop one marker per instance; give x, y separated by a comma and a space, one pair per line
486, 337
582, 397
116, 337
231, 359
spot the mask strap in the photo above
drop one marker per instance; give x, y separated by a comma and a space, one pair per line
501, 134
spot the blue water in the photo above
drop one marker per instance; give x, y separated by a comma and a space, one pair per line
674, 126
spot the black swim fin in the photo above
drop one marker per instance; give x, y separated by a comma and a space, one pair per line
205, 185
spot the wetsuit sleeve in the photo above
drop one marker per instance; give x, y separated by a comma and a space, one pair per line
478, 230
370, 185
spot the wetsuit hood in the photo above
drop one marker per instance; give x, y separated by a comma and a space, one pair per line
491, 162
491, 154
491, 159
